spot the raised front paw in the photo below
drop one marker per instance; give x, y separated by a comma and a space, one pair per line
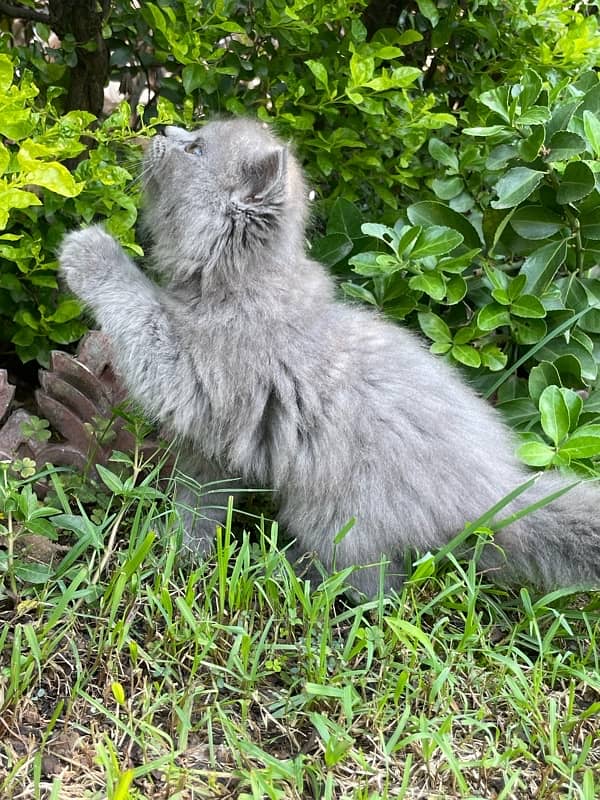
87, 259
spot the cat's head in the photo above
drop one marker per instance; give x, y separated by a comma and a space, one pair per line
221, 197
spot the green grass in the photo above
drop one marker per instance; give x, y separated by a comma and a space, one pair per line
127, 673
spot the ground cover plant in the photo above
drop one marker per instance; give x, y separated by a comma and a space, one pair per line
126, 675
454, 150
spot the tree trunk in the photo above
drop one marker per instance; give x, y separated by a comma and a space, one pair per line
83, 20
382, 14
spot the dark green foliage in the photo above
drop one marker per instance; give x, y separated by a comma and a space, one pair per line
49, 183
499, 267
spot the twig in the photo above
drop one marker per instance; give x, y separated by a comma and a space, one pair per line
24, 12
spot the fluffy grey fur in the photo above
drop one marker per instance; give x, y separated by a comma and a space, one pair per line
248, 357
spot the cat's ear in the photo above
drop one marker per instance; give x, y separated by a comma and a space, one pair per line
264, 178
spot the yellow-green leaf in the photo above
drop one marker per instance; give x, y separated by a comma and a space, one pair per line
51, 175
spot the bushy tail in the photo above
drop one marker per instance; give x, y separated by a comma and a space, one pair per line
554, 546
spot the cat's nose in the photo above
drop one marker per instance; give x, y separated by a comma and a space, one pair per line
170, 131
177, 134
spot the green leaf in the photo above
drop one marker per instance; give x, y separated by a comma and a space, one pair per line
541, 376
466, 355
582, 443
447, 188
591, 99
432, 283
529, 148
516, 287
500, 156
561, 116
358, 293
319, 71
23, 337
486, 130
43, 279
575, 404
436, 240
497, 278
434, 327
442, 153
518, 411
18, 125
112, 481
15, 198
51, 175
374, 264
558, 347
565, 145
10, 282
576, 182
387, 52
534, 116
528, 331
527, 306
494, 224
554, 414
501, 296
67, 332
156, 17
492, 316
456, 289
361, 69
591, 125
344, 218
66, 310
493, 358
6, 73
193, 76
4, 158
409, 36
331, 249
536, 454
590, 225
569, 369
536, 222
430, 212
429, 10
440, 348
516, 186
531, 86
497, 100
381, 232
407, 238
32, 572
403, 77
590, 322
457, 264
541, 266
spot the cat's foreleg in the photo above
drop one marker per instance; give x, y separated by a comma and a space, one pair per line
131, 310
97, 270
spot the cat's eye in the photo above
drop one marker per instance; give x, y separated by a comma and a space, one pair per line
195, 148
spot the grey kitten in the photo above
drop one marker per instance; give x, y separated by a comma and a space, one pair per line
247, 356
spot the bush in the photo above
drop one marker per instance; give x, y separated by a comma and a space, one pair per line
498, 267
41, 197
370, 92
